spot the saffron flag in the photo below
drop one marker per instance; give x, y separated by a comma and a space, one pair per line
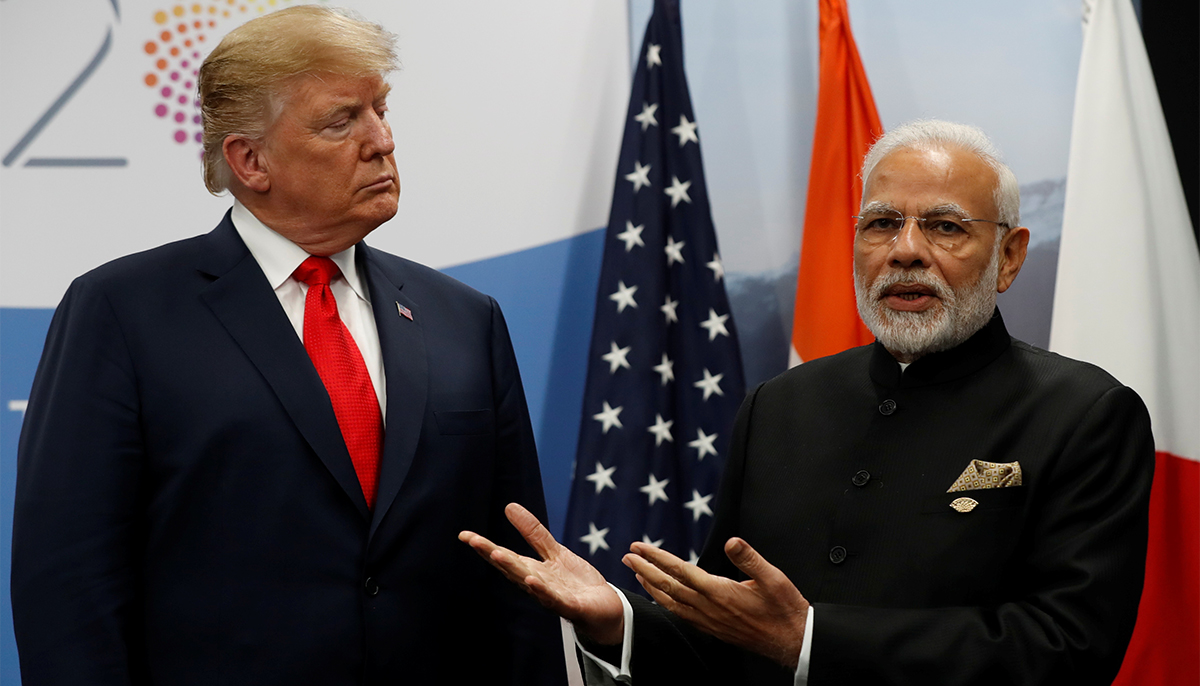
825, 320
1128, 299
664, 374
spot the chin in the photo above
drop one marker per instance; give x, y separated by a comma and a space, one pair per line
378, 210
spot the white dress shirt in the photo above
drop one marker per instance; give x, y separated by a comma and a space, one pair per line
601, 672
278, 258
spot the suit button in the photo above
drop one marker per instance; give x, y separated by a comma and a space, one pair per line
370, 587
861, 477
837, 555
887, 407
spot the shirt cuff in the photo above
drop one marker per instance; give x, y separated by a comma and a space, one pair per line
619, 672
805, 651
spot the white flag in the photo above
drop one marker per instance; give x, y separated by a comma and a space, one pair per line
1128, 299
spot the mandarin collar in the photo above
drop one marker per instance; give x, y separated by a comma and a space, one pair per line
974, 354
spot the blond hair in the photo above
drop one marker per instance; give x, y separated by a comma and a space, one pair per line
243, 82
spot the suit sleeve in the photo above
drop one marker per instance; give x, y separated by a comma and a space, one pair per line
77, 529
1072, 607
534, 637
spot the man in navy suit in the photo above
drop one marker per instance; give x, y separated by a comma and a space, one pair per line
205, 493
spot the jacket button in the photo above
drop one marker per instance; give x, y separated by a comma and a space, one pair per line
860, 478
837, 555
370, 587
887, 407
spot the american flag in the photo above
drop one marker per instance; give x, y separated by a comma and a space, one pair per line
664, 372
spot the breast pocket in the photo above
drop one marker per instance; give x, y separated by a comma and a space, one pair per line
465, 422
985, 499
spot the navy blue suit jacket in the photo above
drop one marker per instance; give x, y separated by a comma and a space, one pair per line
187, 512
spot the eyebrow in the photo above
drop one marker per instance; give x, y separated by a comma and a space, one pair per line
337, 111
947, 208
877, 206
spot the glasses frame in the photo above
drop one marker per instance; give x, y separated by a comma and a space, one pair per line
920, 223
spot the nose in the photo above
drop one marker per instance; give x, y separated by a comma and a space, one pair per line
911, 247
378, 137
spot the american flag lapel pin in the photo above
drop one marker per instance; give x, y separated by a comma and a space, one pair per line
404, 311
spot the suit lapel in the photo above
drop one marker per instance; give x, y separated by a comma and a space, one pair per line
242, 299
402, 342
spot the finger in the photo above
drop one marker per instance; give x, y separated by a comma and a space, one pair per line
747, 559
697, 581
664, 560
692, 615
531, 530
513, 566
651, 575
479, 544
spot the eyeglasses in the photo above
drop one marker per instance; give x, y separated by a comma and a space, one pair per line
943, 229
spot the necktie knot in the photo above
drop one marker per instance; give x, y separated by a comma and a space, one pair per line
316, 270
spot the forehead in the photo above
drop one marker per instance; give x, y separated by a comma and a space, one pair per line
311, 93
916, 179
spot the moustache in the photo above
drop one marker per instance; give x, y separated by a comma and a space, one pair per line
918, 278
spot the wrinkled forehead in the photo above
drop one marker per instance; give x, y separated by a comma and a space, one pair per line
917, 180
313, 92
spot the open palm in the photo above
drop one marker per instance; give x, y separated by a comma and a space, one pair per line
561, 581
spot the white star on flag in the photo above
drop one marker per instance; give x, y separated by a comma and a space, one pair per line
717, 268
668, 307
703, 443
616, 357
602, 477
715, 324
686, 131
595, 538
674, 252
646, 118
678, 191
624, 297
640, 176
656, 489
666, 368
671, 261
609, 418
693, 558
632, 235
661, 430
710, 384
698, 505
652, 55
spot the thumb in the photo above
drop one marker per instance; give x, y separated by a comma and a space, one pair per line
751, 562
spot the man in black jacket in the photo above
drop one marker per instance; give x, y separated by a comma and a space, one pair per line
946, 506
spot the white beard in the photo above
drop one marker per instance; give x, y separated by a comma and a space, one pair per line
954, 319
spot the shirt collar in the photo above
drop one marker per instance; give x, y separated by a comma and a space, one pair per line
279, 257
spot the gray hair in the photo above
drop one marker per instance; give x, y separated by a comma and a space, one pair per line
925, 134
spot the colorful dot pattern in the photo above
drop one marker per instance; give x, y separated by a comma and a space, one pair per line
185, 31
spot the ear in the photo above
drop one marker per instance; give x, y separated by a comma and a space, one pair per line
1012, 256
245, 158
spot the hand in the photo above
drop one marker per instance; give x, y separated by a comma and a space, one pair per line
765, 614
561, 581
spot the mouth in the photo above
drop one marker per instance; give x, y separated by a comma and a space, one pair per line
909, 297
380, 183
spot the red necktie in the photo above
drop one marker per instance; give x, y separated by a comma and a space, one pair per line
342, 370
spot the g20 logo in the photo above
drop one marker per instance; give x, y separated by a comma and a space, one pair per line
185, 34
